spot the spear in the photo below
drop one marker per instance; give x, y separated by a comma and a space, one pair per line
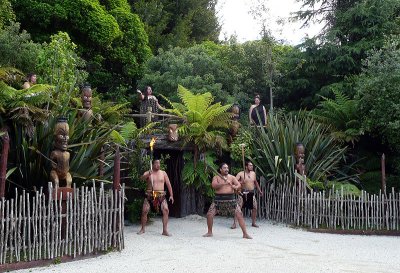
242, 145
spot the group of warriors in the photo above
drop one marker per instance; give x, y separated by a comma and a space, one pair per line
231, 195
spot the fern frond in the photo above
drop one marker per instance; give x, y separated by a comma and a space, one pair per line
129, 130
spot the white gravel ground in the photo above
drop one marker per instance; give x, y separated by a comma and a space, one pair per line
275, 248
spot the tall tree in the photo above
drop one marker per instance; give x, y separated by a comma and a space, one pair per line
6, 13
178, 23
353, 27
379, 92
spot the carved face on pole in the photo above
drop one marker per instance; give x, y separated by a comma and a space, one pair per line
173, 132
61, 135
300, 153
235, 111
86, 97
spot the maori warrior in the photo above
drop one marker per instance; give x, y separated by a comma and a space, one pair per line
60, 156
155, 195
225, 202
247, 199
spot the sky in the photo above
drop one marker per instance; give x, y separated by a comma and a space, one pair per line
236, 20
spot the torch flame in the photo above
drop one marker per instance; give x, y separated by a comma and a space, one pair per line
152, 142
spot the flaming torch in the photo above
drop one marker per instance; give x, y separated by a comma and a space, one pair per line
152, 142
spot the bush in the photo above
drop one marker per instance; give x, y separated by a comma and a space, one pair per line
273, 147
17, 49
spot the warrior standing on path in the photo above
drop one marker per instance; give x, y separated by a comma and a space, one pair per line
225, 202
155, 195
247, 199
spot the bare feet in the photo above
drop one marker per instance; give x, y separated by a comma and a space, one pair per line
233, 226
255, 225
208, 234
165, 233
140, 231
247, 236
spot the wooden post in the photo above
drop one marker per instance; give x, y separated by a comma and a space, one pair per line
117, 169
101, 164
383, 167
3, 161
149, 115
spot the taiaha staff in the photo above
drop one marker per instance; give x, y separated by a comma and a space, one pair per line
242, 145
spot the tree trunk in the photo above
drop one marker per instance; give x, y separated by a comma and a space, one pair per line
3, 161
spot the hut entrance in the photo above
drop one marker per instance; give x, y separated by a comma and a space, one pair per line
187, 199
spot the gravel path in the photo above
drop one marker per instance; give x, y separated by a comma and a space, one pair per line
275, 248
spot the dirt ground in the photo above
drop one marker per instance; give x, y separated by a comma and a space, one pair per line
274, 248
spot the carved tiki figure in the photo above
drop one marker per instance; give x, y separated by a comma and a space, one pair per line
235, 125
86, 113
300, 154
173, 132
60, 155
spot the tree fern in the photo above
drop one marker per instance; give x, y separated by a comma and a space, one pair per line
341, 115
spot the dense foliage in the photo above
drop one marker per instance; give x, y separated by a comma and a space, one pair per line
379, 92
7, 14
273, 148
17, 49
109, 36
353, 28
178, 23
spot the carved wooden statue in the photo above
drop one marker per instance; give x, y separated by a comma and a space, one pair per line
173, 132
86, 113
60, 156
236, 111
235, 125
300, 154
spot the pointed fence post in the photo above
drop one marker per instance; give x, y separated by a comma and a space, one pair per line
117, 170
101, 164
383, 167
3, 161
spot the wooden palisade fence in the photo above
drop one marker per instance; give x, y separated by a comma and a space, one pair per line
43, 226
332, 209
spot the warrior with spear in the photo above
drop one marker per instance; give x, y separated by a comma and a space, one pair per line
248, 181
155, 194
